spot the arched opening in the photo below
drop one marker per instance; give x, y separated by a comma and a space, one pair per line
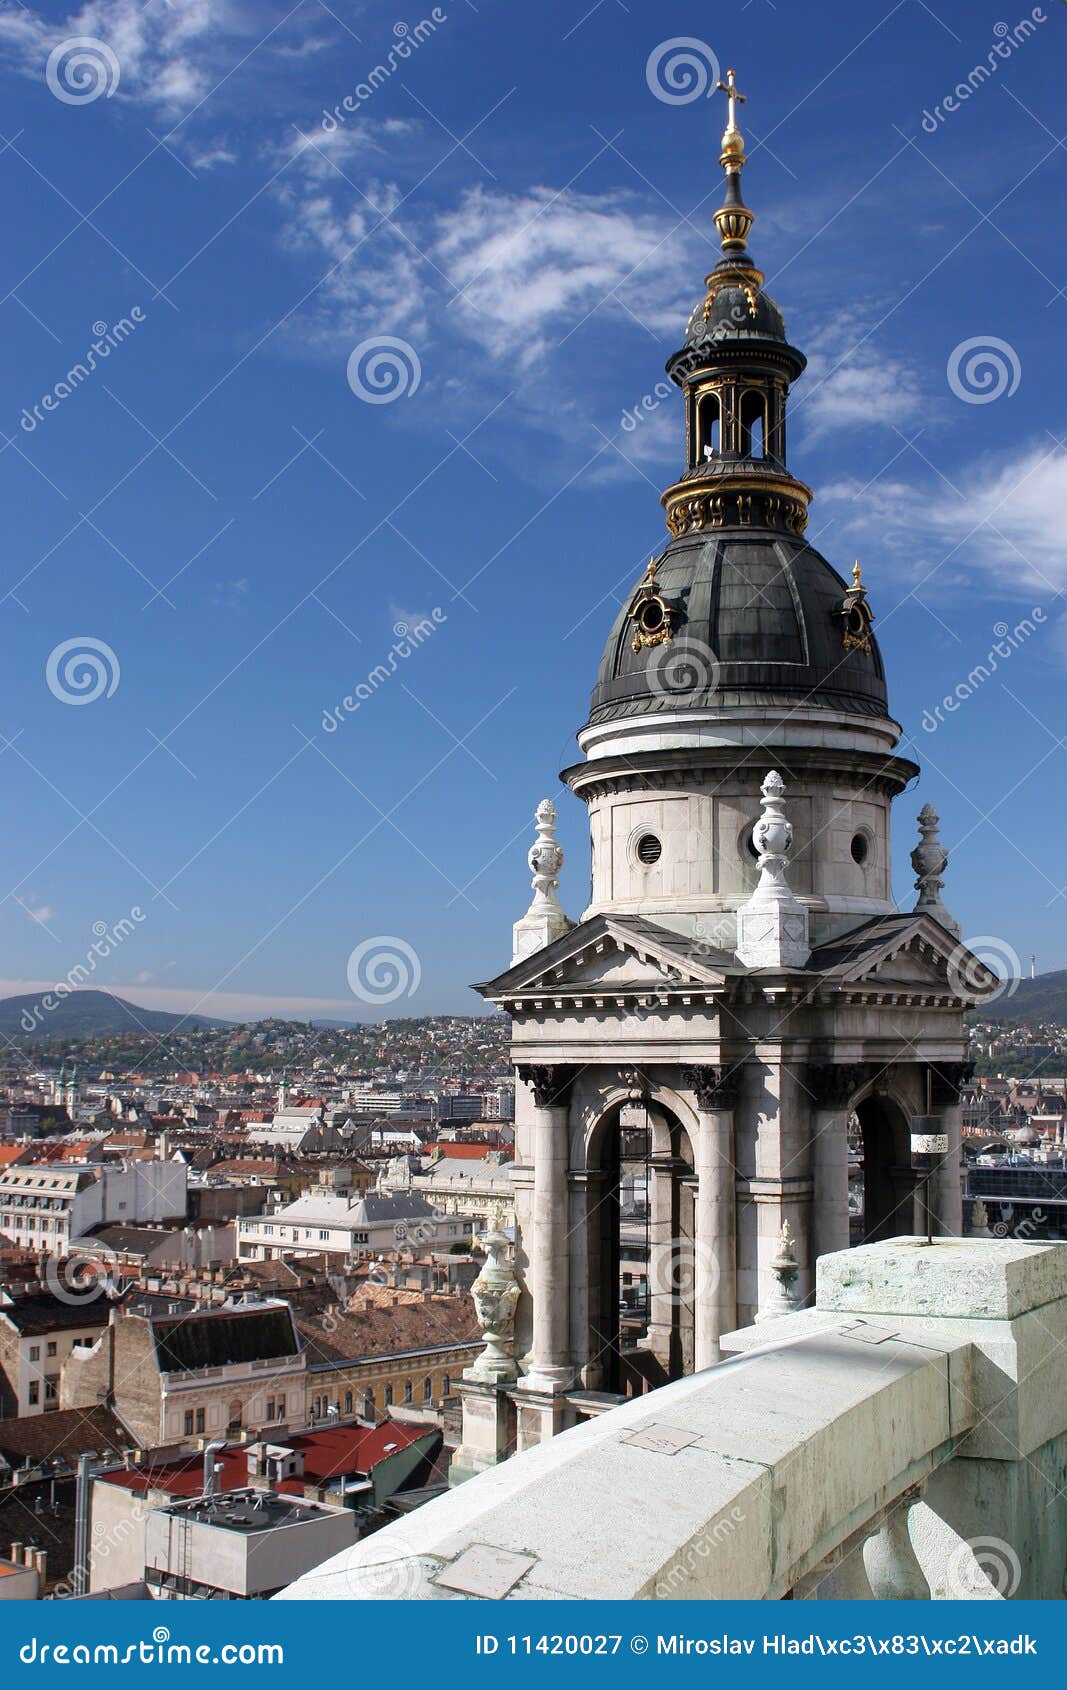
368, 1405
641, 1252
886, 1186
753, 424
708, 441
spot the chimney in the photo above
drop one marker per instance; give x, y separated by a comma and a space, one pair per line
16, 1554
40, 1557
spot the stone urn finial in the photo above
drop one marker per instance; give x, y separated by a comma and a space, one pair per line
545, 920
785, 1268
929, 860
772, 927
496, 1294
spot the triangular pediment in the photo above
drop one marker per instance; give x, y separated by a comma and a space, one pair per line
615, 954
907, 951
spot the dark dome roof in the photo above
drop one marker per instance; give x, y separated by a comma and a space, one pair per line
756, 623
735, 314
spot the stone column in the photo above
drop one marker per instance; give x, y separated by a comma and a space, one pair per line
550, 1363
946, 1079
664, 1275
831, 1085
715, 1229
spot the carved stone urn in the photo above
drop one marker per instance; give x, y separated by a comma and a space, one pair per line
496, 1294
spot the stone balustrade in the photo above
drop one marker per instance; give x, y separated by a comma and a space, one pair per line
878, 1443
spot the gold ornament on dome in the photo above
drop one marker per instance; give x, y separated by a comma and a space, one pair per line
653, 619
856, 614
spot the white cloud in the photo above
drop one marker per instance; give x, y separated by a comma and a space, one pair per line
1000, 519
853, 382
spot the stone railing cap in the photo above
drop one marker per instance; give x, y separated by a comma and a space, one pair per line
954, 1278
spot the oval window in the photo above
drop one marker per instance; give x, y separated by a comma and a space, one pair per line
649, 849
861, 848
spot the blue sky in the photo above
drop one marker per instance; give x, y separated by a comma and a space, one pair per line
510, 198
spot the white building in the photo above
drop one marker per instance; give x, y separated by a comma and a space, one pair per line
47, 1207
319, 1222
239, 1546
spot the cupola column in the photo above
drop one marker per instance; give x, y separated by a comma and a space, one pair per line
550, 1362
715, 1229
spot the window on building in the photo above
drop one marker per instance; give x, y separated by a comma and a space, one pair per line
446, 1385
368, 1405
388, 1396
408, 1391
324, 1234
35, 1352
187, 1426
50, 1349
35, 1392
281, 1408
271, 1411
427, 1389
51, 1391
200, 1423
348, 1402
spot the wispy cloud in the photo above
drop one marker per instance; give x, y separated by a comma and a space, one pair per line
999, 520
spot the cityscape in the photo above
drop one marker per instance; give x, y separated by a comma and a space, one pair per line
572, 1111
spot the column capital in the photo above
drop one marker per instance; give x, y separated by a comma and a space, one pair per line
832, 1084
946, 1082
550, 1084
715, 1087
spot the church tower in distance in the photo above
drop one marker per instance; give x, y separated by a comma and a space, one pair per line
742, 985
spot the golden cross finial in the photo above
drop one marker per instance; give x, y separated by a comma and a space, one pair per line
733, 94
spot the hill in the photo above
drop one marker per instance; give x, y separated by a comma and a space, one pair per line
88, 1015
1033, 1002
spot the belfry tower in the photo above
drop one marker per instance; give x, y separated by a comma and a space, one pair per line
691, 1051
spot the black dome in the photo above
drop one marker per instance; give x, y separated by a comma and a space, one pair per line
735, 313
756, 619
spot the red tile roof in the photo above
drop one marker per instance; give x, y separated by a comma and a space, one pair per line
328, 1453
